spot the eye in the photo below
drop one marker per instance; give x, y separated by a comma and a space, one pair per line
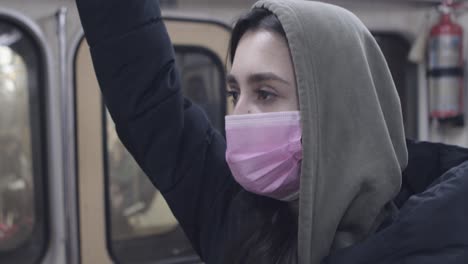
234, 95
264, 95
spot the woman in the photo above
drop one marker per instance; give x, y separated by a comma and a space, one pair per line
311, 77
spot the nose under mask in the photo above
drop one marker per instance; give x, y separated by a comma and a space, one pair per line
264, 153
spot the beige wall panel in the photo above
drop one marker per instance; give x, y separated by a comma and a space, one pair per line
90, 162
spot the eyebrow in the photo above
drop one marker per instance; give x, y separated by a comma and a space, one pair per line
231, 79
257, 77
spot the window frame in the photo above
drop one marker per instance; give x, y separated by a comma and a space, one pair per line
28, 251
222, 80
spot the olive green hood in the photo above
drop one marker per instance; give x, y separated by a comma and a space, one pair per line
353, 137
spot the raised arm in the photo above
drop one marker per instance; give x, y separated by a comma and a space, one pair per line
170, 138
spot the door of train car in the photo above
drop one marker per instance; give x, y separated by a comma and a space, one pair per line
123, 218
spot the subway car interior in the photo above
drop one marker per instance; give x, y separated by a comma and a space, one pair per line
69, 190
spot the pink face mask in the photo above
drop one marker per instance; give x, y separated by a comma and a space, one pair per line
264, 153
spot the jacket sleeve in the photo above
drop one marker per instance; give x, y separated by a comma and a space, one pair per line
169, 137
427, 161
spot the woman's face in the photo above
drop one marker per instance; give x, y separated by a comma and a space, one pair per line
262, 76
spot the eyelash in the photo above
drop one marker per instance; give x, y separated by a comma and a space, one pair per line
234, 95
262, 95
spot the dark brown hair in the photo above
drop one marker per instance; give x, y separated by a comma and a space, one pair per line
256, 19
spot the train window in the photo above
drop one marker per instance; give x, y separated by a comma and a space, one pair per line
22, 225
142, 227
396, 49
203, 81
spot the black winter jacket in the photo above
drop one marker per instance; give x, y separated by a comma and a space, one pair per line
183, 155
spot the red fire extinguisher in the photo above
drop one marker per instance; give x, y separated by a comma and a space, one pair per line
446, 68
